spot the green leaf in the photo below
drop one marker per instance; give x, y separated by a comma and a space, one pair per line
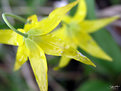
90, 9
95, 85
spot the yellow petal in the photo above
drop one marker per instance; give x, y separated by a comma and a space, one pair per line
73, 53
21, 57
62, 33
90, 46
81, 11
67, 19
38, 63
8, 37
20, 38
32, 19
50, 44
47, 25
31, 22
63, 62
94, 25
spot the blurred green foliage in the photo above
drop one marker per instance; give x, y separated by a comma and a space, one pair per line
95, 85
34, 3
115, 2
12, 81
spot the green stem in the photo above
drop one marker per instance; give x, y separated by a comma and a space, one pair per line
17, 17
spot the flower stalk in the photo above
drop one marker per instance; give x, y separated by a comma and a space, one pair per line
10, 26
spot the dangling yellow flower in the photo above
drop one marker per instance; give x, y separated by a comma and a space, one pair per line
35, 40
76, 32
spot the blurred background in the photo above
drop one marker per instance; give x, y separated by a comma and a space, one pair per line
76, 76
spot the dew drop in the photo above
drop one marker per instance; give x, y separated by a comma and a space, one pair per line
81, 54
17, 43
20, 59
61, 52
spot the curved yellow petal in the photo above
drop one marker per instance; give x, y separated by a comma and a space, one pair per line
63, 62
50, 44
48, 24
62, 33
38, 63
90, 46
32, 19
8, 37
94, 25
31, 22
21, 57
73, 53
81, 11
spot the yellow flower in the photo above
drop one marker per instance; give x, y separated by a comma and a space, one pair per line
76, 32
35, 40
